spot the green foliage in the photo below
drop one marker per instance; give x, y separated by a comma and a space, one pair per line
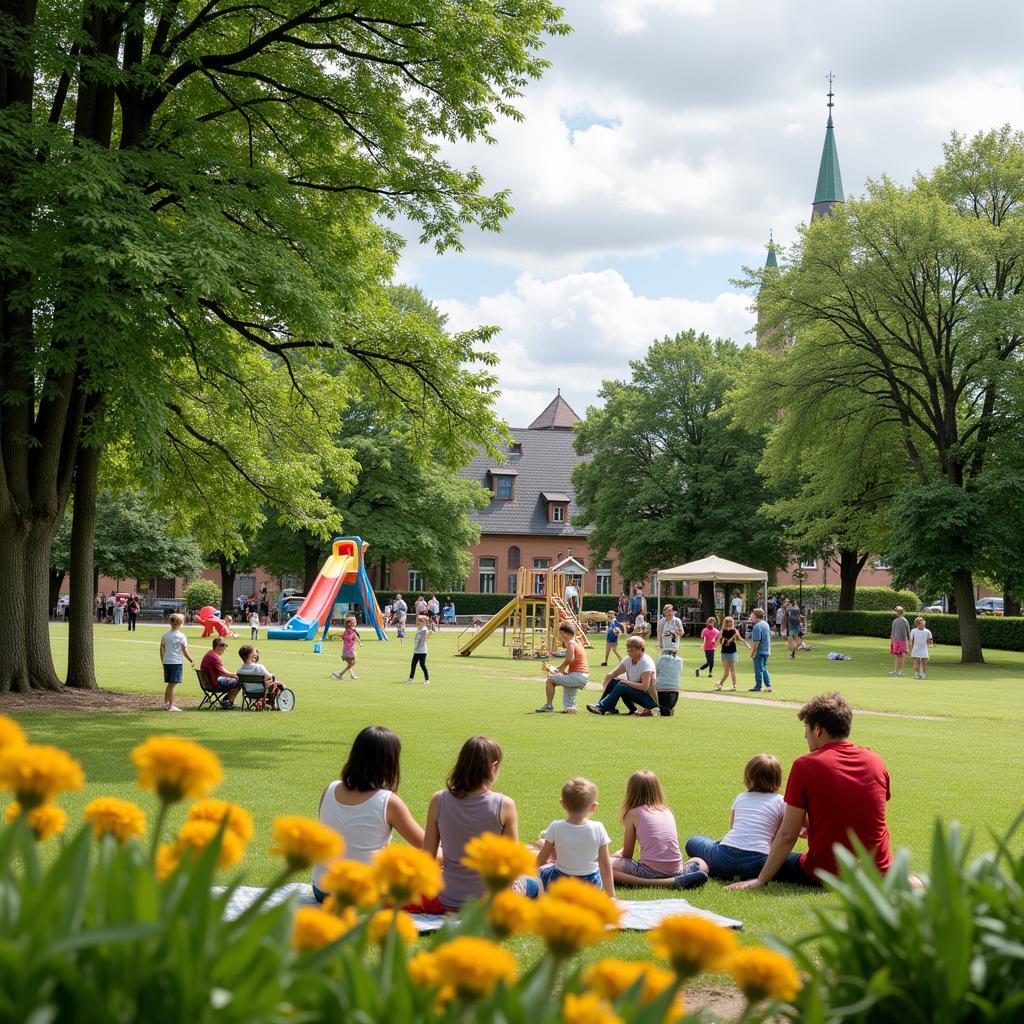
866, 599
200, 593
997, 632
950, 953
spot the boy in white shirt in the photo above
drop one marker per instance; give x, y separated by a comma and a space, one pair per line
254, 626
173, 652
579, 845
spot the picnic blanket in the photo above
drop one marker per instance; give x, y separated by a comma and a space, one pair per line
638, 915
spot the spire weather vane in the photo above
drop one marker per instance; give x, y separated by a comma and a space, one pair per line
831, 78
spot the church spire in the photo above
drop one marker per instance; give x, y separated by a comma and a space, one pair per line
829, 190
771, 261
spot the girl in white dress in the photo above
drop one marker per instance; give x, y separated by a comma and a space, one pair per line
920, 641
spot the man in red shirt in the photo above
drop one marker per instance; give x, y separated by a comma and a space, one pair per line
838, 789
212, 666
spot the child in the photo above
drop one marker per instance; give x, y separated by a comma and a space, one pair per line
670, 668
709, 638
578, 845
611, 645
251, 666
419, 651
648, 821
362, 806
349, 639
464, 809
756, 817
173, 652
728, 639
920, 641
254, 626
641, 627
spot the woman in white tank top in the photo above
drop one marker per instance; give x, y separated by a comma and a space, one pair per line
362, 806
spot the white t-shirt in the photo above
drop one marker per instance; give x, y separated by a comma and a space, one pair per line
577, 846
174, 642
919, 642
736, 607
254, 620
420, 642
756, 819
669, 631
571, 593
634, 672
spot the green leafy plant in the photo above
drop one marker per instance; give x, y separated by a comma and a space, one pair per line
201, 592
997, 633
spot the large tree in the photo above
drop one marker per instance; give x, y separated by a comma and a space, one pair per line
905, 305
191, 196
667, 476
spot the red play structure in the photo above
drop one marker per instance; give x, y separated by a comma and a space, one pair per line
209, 618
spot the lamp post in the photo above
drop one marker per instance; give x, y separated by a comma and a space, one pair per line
800, 575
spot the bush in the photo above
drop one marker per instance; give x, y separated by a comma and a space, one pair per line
200, 593
997, 633
866, 599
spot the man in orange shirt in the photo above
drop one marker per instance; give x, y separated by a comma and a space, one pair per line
572, 674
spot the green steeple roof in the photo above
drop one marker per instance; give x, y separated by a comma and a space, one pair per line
829, 190
771, 261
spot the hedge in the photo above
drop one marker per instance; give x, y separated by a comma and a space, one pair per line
997, 633
866, 599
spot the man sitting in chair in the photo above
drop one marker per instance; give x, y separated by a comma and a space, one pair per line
218, 677
251, 669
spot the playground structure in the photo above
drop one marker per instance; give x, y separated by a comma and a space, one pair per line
341, 580
532, 617
209, 618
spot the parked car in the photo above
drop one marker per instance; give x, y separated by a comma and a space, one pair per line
989, 606
934, 609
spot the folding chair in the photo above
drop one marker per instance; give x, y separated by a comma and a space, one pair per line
211, 698
254, 693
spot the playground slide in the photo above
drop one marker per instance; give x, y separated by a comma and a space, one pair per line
315, 610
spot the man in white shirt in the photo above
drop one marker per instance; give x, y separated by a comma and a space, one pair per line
572, 598
736, 605
633, 680
670, 629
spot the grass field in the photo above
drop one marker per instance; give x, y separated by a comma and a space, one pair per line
960, 762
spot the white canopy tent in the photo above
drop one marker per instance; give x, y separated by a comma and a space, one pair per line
712, 569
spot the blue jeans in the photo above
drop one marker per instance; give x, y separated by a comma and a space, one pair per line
549, 873
630, 695
761, 676
726, 861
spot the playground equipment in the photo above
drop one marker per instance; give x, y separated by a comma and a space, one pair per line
209, 618
342, 580
533, 616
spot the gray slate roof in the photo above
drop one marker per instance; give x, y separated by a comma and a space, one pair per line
545, 466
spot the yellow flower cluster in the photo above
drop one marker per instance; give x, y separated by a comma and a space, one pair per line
238, 819
580, 894
45, 821
692, 944
351, 884
764, 974
303, 842
588, 1008
572, 915
176, 768
499, 860
610, 978
36, 773
193, 838
473, 967
511, 914
110, 816
406, 874
313, 928
11, 734
384, 920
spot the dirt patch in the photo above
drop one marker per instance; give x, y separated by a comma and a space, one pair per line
721, 1004
80, 700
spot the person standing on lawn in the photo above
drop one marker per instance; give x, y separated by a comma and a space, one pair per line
794, 629
174, 653
836, 791
761, 651
899, 637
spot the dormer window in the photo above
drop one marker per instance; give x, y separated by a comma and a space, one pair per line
558, 506
503, 483
503, 487
557, 514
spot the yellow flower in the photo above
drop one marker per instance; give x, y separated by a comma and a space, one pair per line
110, 816
313, 928
692, 944
424, 970
239, 820
380, 925
45, 821
511, 914
580, 894
588, 1009
168, 857
764, 974
196, 836
499, 860
407, 874
566, 928
302, 842
351, 883
176, 768
36, 773
11, 734
473, 967
610, 978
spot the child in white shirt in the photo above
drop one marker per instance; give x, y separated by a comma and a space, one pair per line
254, 626
920, 641
419, 650
579, 846
173, 654
641, 627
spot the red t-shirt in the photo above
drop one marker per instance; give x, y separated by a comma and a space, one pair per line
213, 665
843, 788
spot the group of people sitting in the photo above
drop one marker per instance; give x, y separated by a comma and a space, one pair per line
835, 796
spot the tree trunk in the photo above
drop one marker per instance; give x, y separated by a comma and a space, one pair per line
81, 654
850, 565
228, 575
312, 559
56, 581
706, 592
1011, 606
970, 635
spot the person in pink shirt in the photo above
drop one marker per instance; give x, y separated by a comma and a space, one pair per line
709, 637
349, 639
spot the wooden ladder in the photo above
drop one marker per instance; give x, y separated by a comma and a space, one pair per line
566, 614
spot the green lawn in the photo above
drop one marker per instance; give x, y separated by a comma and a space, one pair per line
962, 765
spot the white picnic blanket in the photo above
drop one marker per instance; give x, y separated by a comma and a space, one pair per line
638, 915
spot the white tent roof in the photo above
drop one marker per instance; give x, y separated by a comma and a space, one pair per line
713, 568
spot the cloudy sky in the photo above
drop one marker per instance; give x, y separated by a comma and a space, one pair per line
669, 137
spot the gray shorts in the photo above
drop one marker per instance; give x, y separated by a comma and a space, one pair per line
638, 869
571, 682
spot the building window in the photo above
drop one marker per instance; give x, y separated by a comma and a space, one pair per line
503, 487
809, 563
416, 580
513, 583
540, 565
488, 569
558, 513
514, 558
295, 583
604, 578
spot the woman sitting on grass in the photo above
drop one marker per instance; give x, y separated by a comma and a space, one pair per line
363, 806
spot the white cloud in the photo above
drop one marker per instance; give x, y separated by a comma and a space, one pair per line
576, 330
